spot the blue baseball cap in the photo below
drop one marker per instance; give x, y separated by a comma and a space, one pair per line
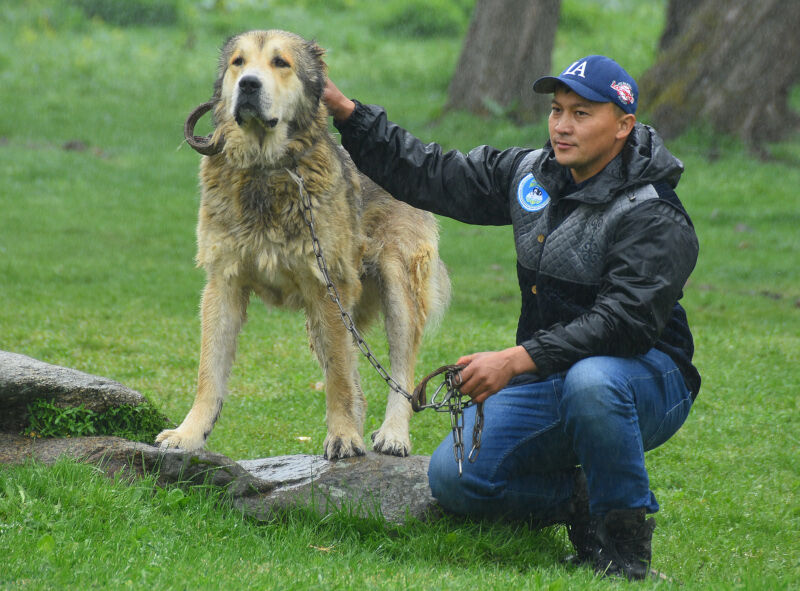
597, 78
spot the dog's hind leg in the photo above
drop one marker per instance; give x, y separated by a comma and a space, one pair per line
224, 308
345, 402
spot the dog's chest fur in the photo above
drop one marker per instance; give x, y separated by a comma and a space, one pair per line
251, 228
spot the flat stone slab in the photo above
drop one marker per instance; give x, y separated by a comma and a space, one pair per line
293, 471
116, 455
369, 486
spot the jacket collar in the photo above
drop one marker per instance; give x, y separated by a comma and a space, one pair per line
644, 159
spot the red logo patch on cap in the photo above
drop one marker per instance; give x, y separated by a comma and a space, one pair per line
624, 91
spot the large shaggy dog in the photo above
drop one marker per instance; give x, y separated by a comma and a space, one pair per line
252, 238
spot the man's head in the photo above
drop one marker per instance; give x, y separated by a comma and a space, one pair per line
594, 106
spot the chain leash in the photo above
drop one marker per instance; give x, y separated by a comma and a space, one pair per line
333, 294
452, 401
448, 398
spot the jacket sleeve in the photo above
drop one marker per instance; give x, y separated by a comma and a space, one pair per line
654, 251
471, 188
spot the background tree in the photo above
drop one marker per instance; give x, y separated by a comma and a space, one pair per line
509, 43
731, 63
678, 12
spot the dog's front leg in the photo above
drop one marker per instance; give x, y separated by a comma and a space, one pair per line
345, 402
404, 323
224, 307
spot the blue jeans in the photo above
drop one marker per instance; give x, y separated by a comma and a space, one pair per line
602, 414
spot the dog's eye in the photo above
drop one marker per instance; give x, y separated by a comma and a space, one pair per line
279, 62
238, 61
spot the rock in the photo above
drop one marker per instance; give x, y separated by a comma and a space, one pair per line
117, 455
24, 379
368, 486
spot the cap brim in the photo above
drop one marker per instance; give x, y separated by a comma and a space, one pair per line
548, 84
545, 84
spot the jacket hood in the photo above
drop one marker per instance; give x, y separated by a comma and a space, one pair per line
644, 159
647, 159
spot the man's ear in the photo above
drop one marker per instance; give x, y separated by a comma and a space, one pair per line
625, 125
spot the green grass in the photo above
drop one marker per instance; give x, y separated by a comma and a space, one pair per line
52, 519
136, 423
96, 273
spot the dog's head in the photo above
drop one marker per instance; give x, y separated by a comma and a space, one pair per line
269, 88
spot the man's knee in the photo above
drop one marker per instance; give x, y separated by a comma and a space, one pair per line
595, 385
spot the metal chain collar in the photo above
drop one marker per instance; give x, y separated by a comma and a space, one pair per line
452, 402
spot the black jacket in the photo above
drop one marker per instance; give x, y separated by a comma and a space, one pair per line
601, 265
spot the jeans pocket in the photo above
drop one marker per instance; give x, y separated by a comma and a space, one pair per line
673, 419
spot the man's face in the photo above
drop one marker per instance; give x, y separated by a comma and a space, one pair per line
586, 135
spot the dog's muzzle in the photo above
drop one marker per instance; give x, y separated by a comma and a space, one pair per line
250, 102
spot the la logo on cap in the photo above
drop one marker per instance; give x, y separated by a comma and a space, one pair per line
576, 69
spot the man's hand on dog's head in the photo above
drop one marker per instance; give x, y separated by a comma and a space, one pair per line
338, 105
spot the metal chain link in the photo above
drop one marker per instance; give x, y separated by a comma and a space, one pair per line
477, 431
452, 402
447, 397
333, 294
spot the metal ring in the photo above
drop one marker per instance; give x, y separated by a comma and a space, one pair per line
201, 144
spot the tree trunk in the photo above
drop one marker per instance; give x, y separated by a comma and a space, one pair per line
678, 12
730, 63
508, 45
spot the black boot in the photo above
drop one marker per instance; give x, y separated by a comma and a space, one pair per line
581, 526
575, 508
623, 540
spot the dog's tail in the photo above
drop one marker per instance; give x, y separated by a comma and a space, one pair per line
439, 296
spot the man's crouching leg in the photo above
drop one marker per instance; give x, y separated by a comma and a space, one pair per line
614, 409
524, 470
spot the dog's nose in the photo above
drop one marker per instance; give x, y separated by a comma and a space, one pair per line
249, 84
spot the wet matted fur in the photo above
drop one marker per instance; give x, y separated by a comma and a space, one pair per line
382, 254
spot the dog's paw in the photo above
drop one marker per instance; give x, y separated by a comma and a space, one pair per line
180, 438
391, 444
340, 446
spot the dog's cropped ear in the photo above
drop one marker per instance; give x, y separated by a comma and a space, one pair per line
316, 74
222, 65
316, 51
225, 52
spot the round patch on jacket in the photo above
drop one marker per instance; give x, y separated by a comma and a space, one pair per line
531, 195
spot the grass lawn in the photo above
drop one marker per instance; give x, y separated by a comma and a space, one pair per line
98, 204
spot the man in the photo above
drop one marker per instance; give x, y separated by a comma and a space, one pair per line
602, 366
